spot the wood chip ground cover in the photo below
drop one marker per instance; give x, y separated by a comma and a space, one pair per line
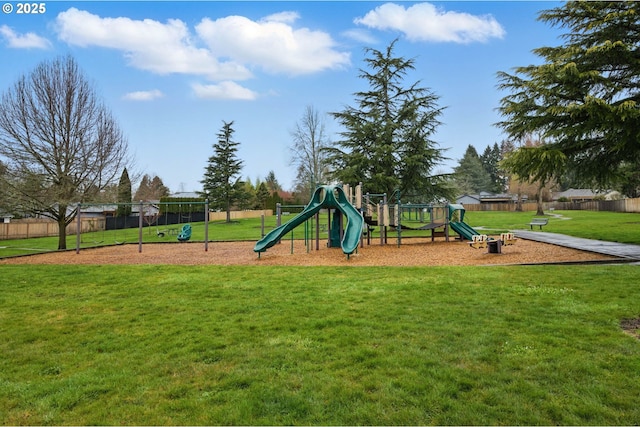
412, 252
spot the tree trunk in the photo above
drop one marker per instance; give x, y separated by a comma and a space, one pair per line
62, 232
539, 211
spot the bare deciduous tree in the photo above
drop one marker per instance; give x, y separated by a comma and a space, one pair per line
59, 143
307, 150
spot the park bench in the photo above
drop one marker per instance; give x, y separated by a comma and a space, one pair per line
539, 222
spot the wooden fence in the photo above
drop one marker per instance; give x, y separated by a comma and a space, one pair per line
494, 207
28, 228
622, 205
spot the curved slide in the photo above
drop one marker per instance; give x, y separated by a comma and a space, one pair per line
323, 197
463, 229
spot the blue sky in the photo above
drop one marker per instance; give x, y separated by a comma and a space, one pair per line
173, 71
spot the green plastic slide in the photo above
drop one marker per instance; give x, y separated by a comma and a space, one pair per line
463, 229
324, 197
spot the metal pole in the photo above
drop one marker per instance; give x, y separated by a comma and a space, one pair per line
206, 225
399, 224
329, 227
78, 229
262, 225
381, 222
307, 235
446, 223
278, 214
140, 218
278, 217
318, 231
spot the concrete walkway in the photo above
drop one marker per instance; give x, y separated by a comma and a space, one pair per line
621, 250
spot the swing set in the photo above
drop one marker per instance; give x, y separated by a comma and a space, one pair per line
169, 215
178, 214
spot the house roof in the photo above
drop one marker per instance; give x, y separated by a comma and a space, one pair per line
488, 197
575, 193
186, 194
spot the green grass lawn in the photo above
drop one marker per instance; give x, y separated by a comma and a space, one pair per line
209, 345
280, 345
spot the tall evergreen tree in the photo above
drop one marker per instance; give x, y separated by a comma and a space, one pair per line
386, 142
221, 183
470, 175
490, 159
262, 195
629, 181
272, 182
584, 99
151, 189
124, 194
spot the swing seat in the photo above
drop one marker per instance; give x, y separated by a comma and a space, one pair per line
185, 233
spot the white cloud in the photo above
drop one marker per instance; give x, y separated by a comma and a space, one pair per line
361, 36
425, 22
272, 44
23, 41
284, 17
150, 45
223, 90
144, 95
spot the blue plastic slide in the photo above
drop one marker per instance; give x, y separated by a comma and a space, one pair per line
324, 197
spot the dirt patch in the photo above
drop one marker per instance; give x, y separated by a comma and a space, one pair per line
631, 326
412, 252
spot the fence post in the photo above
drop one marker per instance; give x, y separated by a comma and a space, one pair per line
262, 225
78, 228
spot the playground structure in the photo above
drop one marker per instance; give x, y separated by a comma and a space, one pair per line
363, 215
351, 221
324, 197
385, 215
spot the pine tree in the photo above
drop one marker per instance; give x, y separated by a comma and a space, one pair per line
386, 142
221, 183
490, 159
262, 195
470, 175
151, 189
584, 99
272, 182
124, 194
158, 189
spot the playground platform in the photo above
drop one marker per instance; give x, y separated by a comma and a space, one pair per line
620, 250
